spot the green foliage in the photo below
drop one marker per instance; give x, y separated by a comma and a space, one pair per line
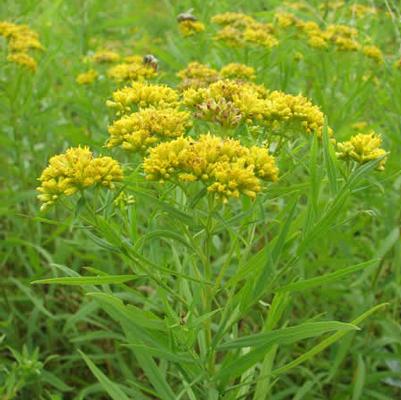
172, 294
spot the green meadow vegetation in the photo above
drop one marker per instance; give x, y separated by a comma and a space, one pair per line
200, 200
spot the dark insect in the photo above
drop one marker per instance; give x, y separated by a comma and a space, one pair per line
151, 60
186, 16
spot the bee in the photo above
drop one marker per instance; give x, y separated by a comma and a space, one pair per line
151, 60
186, 16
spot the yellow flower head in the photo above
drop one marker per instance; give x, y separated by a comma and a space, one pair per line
363, 148
189, 27
341, 31
133, 59
24, 60
227, 102
317, 41
87, 77
237, 71
374, 53
346, 44
148, 127
360, 10
234, 19
142, 95
285, 20
231, 36
75, 170
259, 34
131, 72
20, 37
20, 40
309, 27
105, 56
296, 6
197, 75
287, 109
359, 126
227, 168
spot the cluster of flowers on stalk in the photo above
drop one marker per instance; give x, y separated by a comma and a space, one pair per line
239, 30
20, 41
119, 68
165, 126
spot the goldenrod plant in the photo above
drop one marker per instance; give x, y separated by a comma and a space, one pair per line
200, 200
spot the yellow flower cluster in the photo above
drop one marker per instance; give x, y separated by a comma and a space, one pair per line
21, 39
132, 71
260, 35
104, 57
343, 37
374, 53
231, 36
362, 10
156, 117
147, 127
296, 5
363, 148
76, 170
24, 60
240, 29
359, 126
227, 168
230, 102
290, 109
142, 95
237, 71
197, 75
189, 27
285, 19
226, 102
234, 19
87, 77
332, 5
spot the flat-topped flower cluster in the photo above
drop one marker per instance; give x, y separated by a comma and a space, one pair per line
20, 41
165, 126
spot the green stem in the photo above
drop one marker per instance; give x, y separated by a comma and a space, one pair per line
208, 290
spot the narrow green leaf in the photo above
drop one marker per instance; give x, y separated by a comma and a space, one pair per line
162, 354
87, 280
326, 342
360, 376
110, 387
330, 159
324, 279
288, 335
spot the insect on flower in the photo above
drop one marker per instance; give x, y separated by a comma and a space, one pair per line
186, 16
152, 61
